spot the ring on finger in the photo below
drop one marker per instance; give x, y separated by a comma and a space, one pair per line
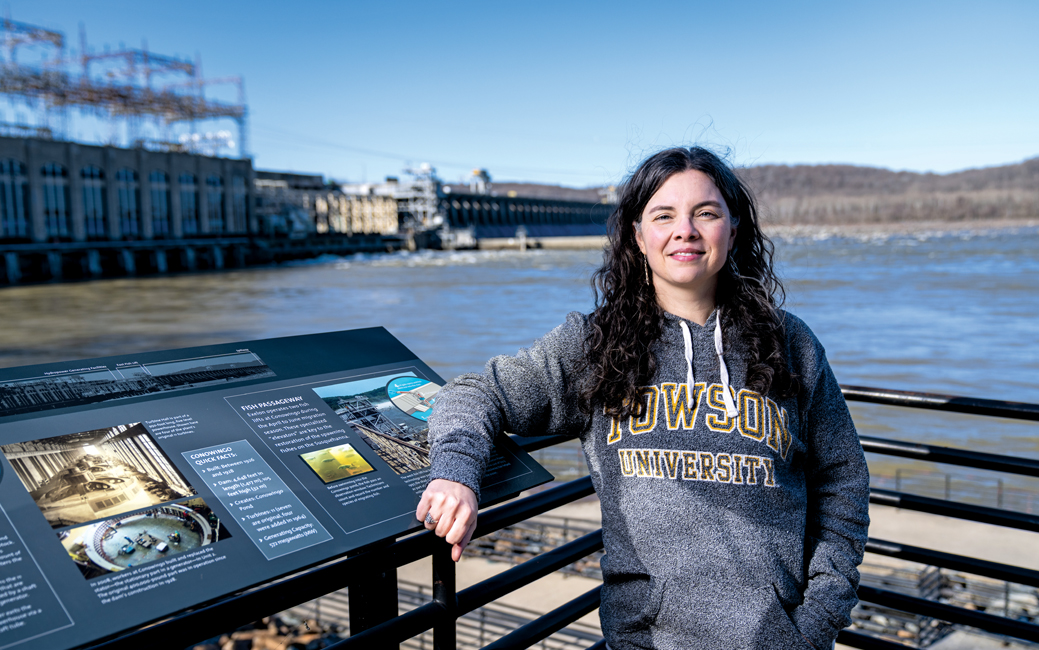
429, 519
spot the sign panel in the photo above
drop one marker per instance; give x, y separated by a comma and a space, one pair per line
133, 487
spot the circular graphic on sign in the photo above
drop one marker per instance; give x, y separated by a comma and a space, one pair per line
413, 395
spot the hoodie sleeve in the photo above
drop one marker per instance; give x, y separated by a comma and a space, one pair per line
530, 394
837, 482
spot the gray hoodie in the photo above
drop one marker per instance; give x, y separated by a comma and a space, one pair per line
721, 531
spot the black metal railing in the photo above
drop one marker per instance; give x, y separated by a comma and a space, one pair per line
937, 402
947, 455
371, 573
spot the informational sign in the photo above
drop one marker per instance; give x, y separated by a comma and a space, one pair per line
133, 487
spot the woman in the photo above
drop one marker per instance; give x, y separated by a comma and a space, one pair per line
733, 486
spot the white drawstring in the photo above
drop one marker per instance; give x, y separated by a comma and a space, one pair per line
689, 381
730, 405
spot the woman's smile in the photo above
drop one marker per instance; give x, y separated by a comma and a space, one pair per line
686, 255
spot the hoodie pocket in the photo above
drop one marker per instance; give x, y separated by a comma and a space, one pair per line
719, 615
781, 627
631, 603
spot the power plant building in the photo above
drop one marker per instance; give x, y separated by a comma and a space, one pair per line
303, 203
53, 191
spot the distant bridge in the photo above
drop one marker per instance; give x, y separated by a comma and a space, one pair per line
499, 216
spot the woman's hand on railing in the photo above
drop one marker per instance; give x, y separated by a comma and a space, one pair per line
449, 509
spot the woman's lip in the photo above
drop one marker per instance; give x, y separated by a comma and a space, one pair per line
685, 253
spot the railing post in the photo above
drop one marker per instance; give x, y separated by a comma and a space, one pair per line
445, 594
373, 597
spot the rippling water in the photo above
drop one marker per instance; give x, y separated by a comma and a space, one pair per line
954, 312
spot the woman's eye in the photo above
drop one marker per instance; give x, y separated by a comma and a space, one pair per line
707, 214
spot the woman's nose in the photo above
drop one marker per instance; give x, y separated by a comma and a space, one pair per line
685, 228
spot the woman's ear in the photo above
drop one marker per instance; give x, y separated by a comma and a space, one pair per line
732, 240
638, 236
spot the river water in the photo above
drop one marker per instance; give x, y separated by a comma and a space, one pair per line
954, 312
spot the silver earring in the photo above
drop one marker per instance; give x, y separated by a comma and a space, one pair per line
645, 267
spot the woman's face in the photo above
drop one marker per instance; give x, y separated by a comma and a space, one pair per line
686, 233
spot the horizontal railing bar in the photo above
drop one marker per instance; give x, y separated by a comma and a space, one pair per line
536, 443
549, 624
939, 402
411, 549
423, 618
523, 574
395, 630
950, 613
491, 618
536, 504
1005, 572
409, 625
866, 642
416, 547
416, 594
601, 645
951, 456
419, 546
981, 514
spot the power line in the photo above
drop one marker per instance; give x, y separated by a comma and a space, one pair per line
411, 158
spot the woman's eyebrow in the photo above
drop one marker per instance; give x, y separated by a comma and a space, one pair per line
658, 208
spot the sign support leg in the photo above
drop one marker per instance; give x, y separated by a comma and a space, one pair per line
373, 598
445, 594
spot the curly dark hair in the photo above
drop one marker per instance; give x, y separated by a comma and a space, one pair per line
627, 318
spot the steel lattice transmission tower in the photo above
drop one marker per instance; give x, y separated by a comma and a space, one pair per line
125, 90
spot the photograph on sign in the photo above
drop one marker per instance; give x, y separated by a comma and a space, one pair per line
101, 384
336, 463
90, 475
136, 539
413, 395
367, 407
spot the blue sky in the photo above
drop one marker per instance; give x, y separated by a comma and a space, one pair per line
576, 93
